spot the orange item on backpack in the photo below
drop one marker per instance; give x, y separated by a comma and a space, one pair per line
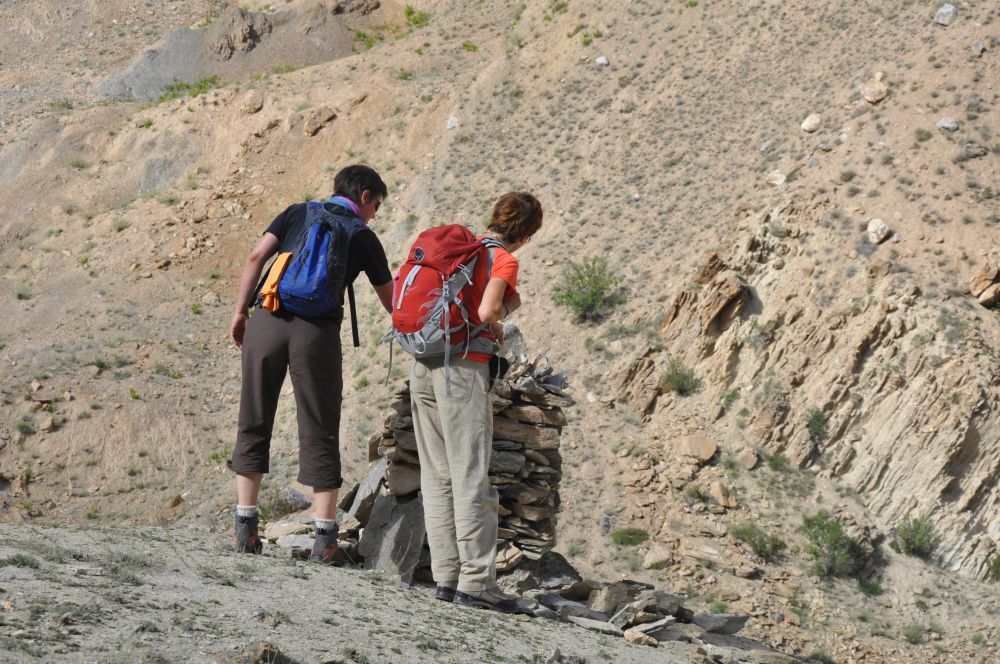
269, 292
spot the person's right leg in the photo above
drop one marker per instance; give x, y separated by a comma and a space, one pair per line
467, 423
466, 418
315, 367
264, 362
435, 478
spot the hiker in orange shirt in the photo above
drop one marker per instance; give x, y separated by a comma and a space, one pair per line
453, 421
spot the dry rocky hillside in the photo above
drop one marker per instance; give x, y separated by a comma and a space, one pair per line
793, 387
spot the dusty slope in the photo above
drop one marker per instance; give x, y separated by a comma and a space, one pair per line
101, 596
651, 161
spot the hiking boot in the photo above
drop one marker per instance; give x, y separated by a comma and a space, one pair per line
493, 598
445, 593
245, 537
325, 545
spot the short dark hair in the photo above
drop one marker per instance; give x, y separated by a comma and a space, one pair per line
516, 216
351, 181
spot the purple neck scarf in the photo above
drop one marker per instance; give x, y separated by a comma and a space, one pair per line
347, 203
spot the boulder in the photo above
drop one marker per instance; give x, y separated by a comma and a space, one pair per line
719, 623
947, 123
878, 231
567, 608
362, 497
316, 119
717, 490
973, 150
986, 277
394, 537
550, 571
664, 604
596, 626
945, 14
608, 598
811, 123
874, 91
676, 632
990, 297
252, 102
697, 446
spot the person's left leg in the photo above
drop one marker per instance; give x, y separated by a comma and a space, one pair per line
315, 369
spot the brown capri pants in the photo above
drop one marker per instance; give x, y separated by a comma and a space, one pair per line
309, 349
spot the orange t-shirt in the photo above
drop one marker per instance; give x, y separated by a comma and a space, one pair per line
504, 267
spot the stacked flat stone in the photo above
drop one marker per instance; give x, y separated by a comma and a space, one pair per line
526, 465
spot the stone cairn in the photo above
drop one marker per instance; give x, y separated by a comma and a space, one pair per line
525, 467
382, 523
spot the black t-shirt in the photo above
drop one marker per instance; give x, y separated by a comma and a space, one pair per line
365, 254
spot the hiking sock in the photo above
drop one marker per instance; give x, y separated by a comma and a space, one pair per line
325, 524
246, 510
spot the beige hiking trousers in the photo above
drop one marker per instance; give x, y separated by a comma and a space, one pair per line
454, 441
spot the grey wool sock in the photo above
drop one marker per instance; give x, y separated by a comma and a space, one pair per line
246, 510
326, 524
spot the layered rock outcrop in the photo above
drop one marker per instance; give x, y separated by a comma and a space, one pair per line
858, 376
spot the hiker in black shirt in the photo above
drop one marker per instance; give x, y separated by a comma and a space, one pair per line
276, 342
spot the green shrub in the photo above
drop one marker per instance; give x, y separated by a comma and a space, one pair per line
20, 560
916, 536
777, 462
923, 135
913, 633
629, 536
587, 288
25, 426
834, 552
415, 18
816, 424
993, 568
179, 89
680, 379
870, 587
470, 47
766, 546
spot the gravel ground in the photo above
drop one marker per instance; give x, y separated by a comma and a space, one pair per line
81, 594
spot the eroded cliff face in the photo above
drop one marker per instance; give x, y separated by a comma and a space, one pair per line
904, 377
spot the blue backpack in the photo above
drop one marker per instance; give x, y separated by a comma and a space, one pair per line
313, 282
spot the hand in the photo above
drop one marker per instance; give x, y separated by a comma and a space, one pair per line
497, 329
237, 328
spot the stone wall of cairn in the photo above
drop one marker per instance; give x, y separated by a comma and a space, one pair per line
526, 465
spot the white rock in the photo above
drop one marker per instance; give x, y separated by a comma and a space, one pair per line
852, 254
946, 14
602, 61
978, 47
874, 91
947, 124
878, 231
452, 123
777, 178
811, 123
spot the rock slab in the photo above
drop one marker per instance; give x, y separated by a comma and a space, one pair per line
394, 536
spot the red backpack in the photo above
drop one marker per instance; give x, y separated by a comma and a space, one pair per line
437, 292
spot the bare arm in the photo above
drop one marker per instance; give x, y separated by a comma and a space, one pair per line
491, 309
385, 295
265, 248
